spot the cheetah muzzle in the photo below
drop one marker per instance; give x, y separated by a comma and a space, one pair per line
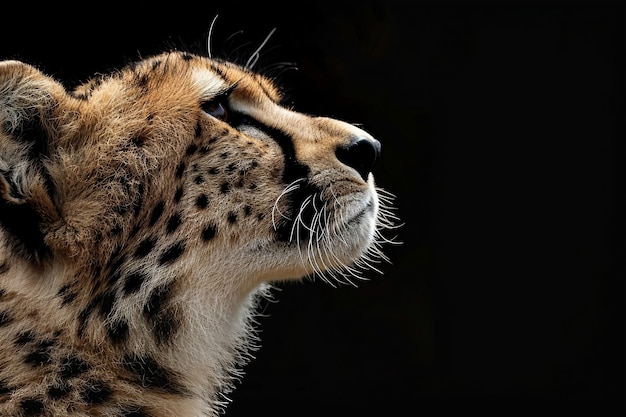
144, 214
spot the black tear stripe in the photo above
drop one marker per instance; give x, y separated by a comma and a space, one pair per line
294, 170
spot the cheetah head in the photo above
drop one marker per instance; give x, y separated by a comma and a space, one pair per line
147, 207
184, 150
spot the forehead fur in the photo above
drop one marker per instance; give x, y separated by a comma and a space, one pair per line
172, 73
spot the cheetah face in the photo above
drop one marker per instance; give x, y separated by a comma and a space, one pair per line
186, 160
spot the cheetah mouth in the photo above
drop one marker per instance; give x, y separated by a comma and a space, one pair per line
315, 217
358, 218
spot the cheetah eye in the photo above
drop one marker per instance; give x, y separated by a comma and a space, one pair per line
216, 108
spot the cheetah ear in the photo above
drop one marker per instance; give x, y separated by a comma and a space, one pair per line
28, 103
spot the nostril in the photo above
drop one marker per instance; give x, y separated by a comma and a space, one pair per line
360, 154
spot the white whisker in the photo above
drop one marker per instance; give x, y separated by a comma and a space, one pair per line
320, 229
292, 186
255, 55
210, 37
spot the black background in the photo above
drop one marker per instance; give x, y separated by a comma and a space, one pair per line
502, 125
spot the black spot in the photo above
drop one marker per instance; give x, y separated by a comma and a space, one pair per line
58, 391
21, 222
95, 392
82, 97
145, 247
114, 264
158, 299
32, 407
178, 195
180, 170
142, 80
232, 217
136, 229
4, 268
139, 141
115, 274
83, 316
231, 167
157, 211
66, 294
68, 298
165, 326
174, 222
118, 331
213, 171
72, 366
247, 210
198, 179
40, 355
224, 155
191, 149
149, 374
186, 56
225, 188
252, 186
106, 301
5, 318
133, 282
5, 388
198, 131
202, 201
209, 232
24, 338
172, 253
2, 293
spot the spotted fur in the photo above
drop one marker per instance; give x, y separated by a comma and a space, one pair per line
143, 215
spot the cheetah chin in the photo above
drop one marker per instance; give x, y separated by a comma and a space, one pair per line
145, 213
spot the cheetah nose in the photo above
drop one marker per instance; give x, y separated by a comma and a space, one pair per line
360, 154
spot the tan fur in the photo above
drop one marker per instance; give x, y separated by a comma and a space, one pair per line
151, 229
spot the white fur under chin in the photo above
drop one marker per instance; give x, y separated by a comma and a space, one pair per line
217, 340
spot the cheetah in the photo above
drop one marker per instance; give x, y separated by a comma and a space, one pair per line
143, 216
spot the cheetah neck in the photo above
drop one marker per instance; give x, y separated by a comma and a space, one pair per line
173, 347
200, 333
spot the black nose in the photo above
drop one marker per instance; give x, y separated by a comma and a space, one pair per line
360, 154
